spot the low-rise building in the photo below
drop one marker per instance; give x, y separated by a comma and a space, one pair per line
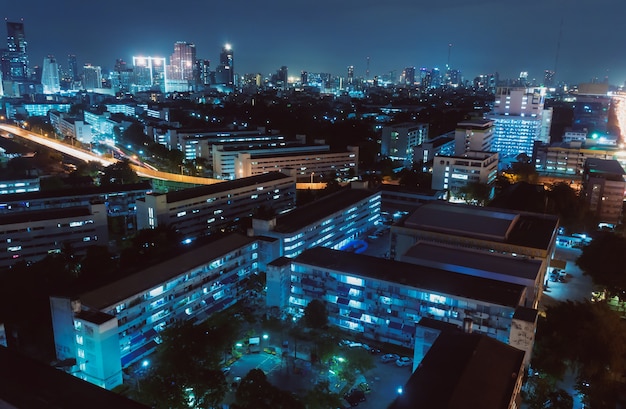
333, 221
481, 264
199, 211
511, 233
465, 370
383, 299
308, 165
32, 235
452, 173
111, 327
603, 189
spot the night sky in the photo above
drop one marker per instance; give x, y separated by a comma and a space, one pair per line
487, 36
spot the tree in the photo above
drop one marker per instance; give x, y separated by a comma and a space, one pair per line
542, 392
119, 173
604, 260
315, 314
187, 368
320, 397
587, 338
475, 192
256, 392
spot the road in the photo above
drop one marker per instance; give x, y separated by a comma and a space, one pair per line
87, 156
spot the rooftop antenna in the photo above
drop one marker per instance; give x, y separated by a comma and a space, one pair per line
367, 70
449, 51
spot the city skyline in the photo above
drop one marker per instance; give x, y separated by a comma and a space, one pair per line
485, 36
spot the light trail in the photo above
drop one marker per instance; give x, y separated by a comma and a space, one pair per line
87, 156
619, 107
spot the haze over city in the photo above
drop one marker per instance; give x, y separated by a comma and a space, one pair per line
576, 39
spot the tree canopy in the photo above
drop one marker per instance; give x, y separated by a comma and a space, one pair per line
315, 314
588, 339
604, 260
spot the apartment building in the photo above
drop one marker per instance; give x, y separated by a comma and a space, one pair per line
308, 164
452, 173
333, 221
384, 299
604, 184
198, 211
32, 235
111, 327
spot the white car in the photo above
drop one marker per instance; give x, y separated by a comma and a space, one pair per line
389, 358
404, 361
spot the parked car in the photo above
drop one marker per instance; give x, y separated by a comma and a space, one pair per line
389, 358
354, 397
374, 351
404, 361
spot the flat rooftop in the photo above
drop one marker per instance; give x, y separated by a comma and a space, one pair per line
533, 230
298, 153
27, 383
314, 212
422, 277
74, 192
153, 276
463, 371
39, 215
610, 166
208, 190
467, 261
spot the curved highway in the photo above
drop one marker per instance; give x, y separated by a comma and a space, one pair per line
91, 157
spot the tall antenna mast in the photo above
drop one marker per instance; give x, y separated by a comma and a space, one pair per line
367, 69
449, 51
558, 46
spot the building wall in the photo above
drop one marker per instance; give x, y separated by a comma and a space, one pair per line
388, 312
309, 165
333, 231
398, 141
201, 215
191, 293
34, 239
455, 172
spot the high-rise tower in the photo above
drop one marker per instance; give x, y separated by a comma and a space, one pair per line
15, 59
225, 73
50, 76
182, 61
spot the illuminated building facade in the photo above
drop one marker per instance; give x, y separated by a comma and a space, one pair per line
225, 72
398, 141
150, 74
202, 210
452, 173
473, 135
92, 77
518, 116
116, 325
50, 76
568, 159
307, 163
603, 189
15, 58
333, 221
505, 232
32, 235
383, 300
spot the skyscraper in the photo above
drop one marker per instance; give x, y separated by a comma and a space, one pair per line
72, 67
408, 75
50, 76
15, 59
92, 77
225, 73
351, 75
518, 114
182, 61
